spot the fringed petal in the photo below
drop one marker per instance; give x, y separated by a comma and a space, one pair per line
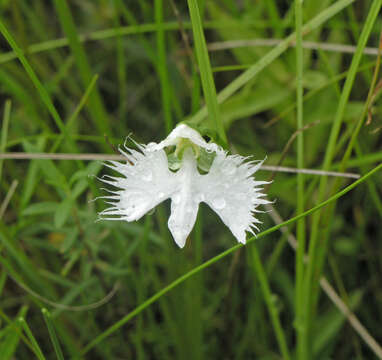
230, 190
143, 186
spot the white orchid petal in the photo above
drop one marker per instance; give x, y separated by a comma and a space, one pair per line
231, 192
184, 207
146, 184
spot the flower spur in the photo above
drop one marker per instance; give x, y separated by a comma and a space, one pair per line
228, 187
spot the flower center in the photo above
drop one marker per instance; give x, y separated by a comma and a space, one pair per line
183, 144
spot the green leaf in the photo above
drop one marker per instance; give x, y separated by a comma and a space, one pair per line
69, 240
52, 334
62, 212
11, 339
346, 246
44, 207
92, 169
246, 104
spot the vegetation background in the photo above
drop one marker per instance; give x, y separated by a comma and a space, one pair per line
305, 96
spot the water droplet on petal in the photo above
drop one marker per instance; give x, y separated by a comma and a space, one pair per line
218, 203
176, 198
147, 175
160, 195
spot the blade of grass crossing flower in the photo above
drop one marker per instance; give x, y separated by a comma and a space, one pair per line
96, 106
52, 334
271, 305
273, 54
312, 272
206, 71
4, 131
301, 347
162, 66
220, 256
32, 339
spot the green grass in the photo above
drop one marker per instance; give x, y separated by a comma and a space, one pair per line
73, 72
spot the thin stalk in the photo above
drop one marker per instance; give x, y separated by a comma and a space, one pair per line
52, 334
301, 346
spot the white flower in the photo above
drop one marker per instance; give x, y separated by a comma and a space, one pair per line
228, 187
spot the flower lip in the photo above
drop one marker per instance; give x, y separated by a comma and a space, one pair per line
183, 131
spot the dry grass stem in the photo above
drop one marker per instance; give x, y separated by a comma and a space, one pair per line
232, 44
106, 157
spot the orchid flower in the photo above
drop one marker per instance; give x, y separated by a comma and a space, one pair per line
148, 178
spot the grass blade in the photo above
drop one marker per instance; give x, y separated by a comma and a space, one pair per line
206, 71
52, 334
271, 305
301, 347
162, 66
4, 131
31, 338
